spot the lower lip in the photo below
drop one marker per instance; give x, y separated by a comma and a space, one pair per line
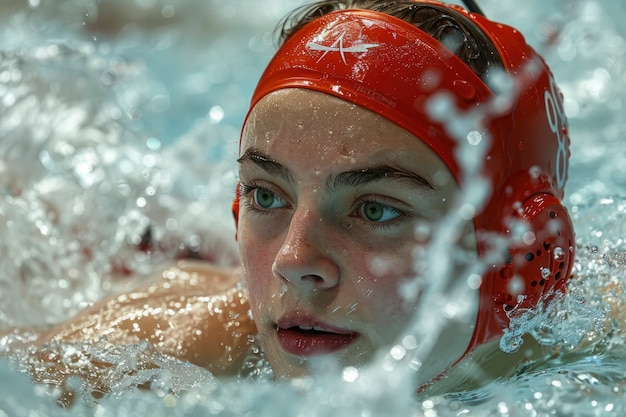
309, 344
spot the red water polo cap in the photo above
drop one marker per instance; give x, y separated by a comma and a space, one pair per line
396, 70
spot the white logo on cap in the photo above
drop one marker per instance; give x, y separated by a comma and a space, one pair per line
338, 46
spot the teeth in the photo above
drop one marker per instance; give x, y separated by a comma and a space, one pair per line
309, 328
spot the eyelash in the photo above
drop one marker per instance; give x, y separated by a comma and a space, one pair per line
402, 215
246, 189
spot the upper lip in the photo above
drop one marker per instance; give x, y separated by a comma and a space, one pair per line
309, 322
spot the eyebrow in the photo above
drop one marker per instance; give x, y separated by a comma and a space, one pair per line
360, 177
347, 179
266, 163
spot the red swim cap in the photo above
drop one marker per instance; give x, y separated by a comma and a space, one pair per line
394, 69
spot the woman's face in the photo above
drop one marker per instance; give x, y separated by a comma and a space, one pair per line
332, 196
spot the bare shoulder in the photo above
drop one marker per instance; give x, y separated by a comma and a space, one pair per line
193, 311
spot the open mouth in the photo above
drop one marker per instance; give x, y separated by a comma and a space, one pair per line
305, 340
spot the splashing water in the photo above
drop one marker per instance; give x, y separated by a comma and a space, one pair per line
118, 131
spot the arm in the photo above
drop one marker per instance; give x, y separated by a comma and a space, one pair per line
194, 312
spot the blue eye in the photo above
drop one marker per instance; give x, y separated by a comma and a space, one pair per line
378, 212
266, 199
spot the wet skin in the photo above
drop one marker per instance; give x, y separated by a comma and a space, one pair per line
331, 197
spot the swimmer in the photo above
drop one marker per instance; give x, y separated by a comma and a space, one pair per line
350, 156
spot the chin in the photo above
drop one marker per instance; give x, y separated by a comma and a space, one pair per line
286, 366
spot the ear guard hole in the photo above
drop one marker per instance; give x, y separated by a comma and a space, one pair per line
544, 265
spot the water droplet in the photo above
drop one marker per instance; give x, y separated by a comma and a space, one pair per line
108, 78
528, 238
441, 178
510, 344
474, 137
153, 143
516, 285
467, 211
216, 114
380, 267
398, 352
168, 11
545, 272
422, 231
415, 364
350, 374
535, 172
474, 281
409, 342
283, 291
558, 254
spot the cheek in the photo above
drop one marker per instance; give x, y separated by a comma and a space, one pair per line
387, 283
390, 266
256, 261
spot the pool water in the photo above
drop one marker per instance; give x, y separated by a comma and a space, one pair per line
119, 123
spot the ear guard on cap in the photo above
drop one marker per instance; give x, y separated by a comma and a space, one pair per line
542, 260
538, 264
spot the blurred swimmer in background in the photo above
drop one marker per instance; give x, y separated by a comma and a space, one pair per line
390, 148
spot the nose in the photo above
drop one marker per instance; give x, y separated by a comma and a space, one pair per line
305, 259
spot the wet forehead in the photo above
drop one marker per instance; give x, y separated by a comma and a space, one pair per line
315, 127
